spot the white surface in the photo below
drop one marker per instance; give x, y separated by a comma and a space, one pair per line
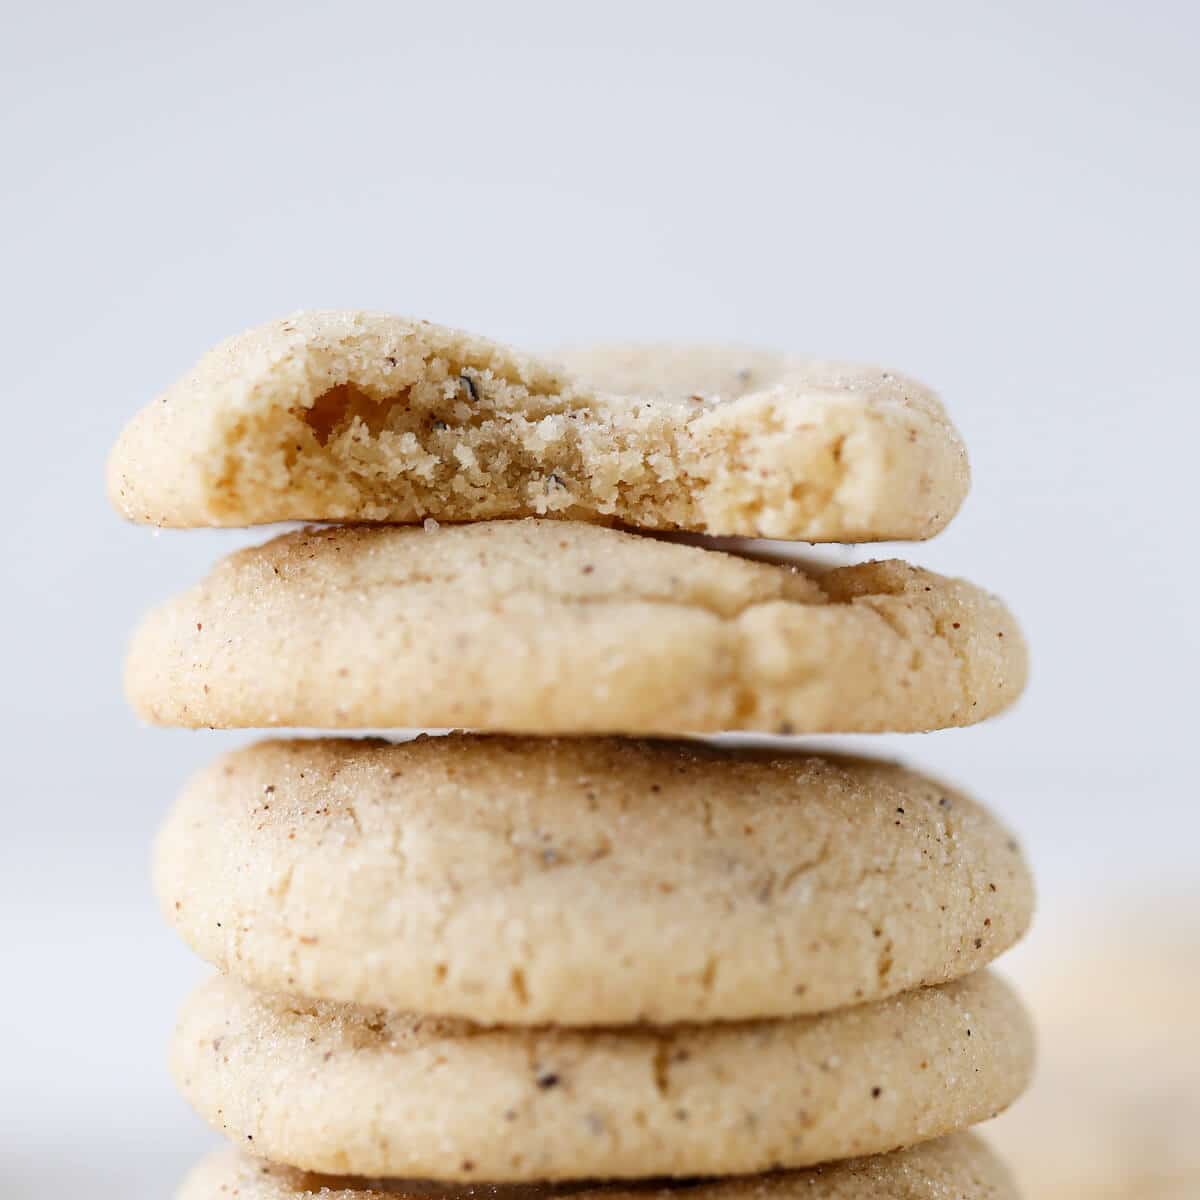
1000, 200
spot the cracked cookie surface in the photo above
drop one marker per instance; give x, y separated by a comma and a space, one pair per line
584, 881
358, 1091
554, 627
353, 416
958, 1167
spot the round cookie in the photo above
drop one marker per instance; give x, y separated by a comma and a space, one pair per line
589, 881
958, 1167
364, 416
346, 1090
552, 627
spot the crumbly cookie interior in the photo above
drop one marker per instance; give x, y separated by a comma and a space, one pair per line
458, 439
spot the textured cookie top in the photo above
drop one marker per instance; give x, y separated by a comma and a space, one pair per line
348, 1090
589, 881
364, 416
959, 1167
553, 627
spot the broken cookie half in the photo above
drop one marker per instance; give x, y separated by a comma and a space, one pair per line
336, 416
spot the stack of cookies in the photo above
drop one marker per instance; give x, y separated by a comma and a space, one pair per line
563, 947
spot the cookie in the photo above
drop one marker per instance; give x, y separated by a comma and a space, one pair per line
591, 881
959, 1167
549, 627
358, 1091
363, 416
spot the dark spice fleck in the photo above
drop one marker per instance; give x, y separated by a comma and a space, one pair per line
440, 424
547, 1080
469, 384
979, 943
876, 1092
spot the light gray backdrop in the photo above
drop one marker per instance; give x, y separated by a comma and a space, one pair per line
999, 199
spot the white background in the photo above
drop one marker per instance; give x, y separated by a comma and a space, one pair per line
1001, 200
